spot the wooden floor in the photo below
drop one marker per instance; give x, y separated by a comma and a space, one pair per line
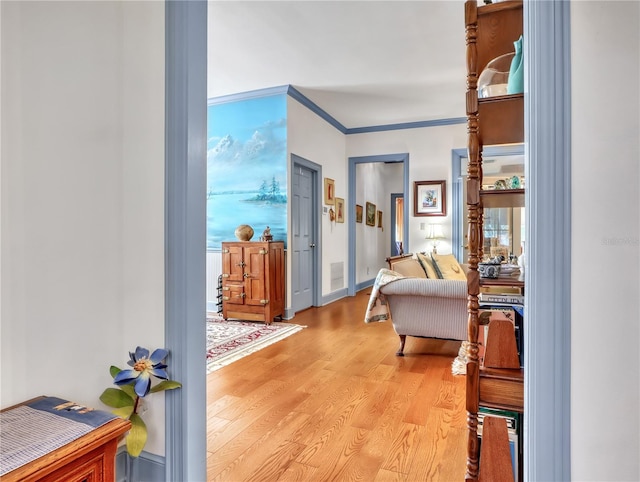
333, 403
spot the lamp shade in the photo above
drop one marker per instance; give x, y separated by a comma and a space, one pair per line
434, 231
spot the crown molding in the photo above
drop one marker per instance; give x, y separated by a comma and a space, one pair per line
294, 93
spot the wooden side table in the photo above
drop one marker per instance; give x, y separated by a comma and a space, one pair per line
89, 458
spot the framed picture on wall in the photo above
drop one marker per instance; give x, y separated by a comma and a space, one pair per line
358, 213
339, 210
371, 214
429, 198
329, 191
379, 219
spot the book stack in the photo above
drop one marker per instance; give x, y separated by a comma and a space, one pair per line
500, 306
513, 420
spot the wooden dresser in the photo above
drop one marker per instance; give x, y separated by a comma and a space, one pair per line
253, 286
89, 458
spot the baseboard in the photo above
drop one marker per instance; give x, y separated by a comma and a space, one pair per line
336, 295
146, 468
364, 284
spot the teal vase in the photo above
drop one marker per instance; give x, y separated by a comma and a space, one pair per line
515, 84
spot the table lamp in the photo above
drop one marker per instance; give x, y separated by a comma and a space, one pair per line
435, 234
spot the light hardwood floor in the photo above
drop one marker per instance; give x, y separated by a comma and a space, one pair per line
333, 403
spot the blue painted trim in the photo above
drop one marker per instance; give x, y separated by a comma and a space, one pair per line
253, 94
547, 418
457, 236
335, 296
315, 108
316, 221
146, 467
408, 125
185, 235
364, 285
351, 203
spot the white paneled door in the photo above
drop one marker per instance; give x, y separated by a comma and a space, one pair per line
303, 238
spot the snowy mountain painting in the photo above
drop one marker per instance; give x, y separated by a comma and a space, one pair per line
247, 168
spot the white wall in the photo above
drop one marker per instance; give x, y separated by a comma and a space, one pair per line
605, 365
312, 138
82, 197
429, 151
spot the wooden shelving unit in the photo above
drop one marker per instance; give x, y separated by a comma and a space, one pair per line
507, 119
502, 198
491, 31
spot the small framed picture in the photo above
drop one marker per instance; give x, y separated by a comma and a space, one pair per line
429, 198
358, 213
339, 210
329, 191
379, 219
371, 214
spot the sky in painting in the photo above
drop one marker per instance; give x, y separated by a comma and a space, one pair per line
246, 144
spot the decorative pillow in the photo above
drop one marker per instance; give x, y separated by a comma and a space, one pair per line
448, 267
427, 265
409, 267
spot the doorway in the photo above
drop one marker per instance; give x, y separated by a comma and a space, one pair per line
401, 158
185, 291
397, 224
305, 242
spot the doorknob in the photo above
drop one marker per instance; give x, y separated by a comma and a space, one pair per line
312, 245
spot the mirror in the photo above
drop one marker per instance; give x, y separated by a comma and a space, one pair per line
504, 227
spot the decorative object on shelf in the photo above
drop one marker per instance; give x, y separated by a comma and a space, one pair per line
516, 70
329, 191
507, 270
266, 234
489, 269
339, 210
514, 182
358, 213
493, 80
244, 232
435, 234
135, 384
371, 214
521, 258
500, 184
429, 198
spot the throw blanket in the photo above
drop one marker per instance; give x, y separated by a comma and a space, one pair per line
378, 309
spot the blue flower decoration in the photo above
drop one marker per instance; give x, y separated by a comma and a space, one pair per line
143, 367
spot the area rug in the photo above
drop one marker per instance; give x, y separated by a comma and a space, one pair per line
228, 341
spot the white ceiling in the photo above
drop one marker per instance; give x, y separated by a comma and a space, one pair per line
366, 63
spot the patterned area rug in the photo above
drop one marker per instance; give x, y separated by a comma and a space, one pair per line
228, 341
